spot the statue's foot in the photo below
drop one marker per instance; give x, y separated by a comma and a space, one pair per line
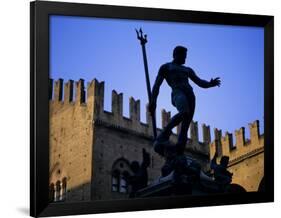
162, 139
159, 145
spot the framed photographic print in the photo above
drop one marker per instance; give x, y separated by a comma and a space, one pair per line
143, 108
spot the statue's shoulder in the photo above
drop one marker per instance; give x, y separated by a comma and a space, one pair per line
168, 66
164, 68
189, 70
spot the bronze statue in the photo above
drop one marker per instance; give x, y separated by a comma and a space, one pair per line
221, 174
177, 76
139, 178
183, 171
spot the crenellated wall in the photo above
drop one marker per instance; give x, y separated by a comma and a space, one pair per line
246, 155
86, 140
116, 118
224, 145
71, 136
95, 102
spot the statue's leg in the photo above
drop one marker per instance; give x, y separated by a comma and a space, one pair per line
182, 139
163, 138
180, 102
175, 120
184, 107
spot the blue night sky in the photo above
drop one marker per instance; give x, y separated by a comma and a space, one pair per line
108, 50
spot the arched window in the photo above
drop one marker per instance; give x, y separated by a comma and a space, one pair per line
58, 191
120, 173
63, 188
123, 188
52, 192
115, 181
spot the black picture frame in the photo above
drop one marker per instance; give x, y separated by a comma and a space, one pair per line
39, 107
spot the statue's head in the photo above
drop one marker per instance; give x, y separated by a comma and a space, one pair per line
224, 161
179, 54
135, 166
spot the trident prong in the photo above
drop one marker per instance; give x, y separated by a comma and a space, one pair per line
143, 39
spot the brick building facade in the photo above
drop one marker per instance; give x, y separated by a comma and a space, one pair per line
91, 149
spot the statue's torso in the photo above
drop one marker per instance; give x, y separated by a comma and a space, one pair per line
177, 77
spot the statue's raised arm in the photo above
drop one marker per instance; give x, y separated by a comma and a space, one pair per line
155, 90
203, 83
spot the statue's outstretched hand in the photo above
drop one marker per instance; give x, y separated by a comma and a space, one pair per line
215, 82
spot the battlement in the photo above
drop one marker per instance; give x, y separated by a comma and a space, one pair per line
73, 94
224, 144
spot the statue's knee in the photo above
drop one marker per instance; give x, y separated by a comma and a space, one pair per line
158, 148
184, 114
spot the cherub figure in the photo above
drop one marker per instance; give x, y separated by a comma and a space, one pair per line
221, 174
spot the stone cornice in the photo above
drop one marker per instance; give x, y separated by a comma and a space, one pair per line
245, 156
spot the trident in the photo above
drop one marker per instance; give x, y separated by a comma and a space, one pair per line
143, 41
